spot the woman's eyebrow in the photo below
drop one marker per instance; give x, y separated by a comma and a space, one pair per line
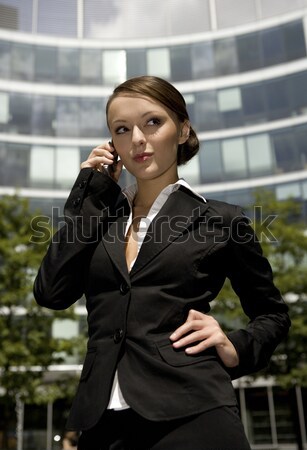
147, 113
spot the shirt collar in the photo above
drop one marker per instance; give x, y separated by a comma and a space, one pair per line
130, 191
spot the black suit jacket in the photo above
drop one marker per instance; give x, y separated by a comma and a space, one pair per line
189, 250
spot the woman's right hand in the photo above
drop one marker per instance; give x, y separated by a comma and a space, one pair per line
103, 158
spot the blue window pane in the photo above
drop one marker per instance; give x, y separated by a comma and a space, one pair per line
180, 63
286, 153
20, 111
277, 97
253, 103
14, 164
298, 93
90, 66
22, 62
68, 65
207, 116
249, 54
91, 117
211, 166
45, 63
43, 115
272, 43
5, 59
202, 60
294, 40
226, 61
136, 62
300, 136
67, 123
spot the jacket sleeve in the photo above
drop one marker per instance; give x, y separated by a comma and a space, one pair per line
60, 279
251, 277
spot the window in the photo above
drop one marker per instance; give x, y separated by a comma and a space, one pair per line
181, 63
234, 158
67, 117
235, 12
230, 106
14, 164
300, 137
92, 117
260, 158
272, 44
286, 413
298, 93
114, 66
253, 101
45, 63
136, 62
207, 116
68, 65
158, 62
43, 115
294, 40
90, 66
249, 55
65, 328
22, 62
286, 154
211, 165
190, 171
42, 166
67, 166
202, 60
60, 19
277, 97
4, 109
20, 113
289, 190
226, 61
16, 15
258, 416
5, 59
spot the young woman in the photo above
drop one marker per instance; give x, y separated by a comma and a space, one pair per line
149, 259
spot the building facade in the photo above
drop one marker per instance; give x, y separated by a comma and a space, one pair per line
242, 68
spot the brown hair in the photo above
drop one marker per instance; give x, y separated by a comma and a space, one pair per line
162, 91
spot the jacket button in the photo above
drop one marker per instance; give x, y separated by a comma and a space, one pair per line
118, 335
77, 201
124, 288
82, 184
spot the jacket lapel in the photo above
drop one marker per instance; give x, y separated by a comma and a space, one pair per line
114, 238
178, 213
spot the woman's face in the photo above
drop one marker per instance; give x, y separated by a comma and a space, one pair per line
146, 135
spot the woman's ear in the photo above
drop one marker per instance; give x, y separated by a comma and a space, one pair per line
184, 132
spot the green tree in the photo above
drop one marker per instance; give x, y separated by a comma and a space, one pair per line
283, 237
27, 347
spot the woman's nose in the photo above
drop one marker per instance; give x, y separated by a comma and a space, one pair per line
138, 136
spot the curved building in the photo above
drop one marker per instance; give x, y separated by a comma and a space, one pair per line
242, 67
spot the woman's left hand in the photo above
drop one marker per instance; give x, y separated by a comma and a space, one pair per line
206, 332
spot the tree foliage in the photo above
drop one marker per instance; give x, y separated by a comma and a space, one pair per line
283, 238
27, 347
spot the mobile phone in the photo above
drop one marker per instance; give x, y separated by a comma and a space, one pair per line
112, 167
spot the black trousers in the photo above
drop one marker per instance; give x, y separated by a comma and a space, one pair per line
218, 429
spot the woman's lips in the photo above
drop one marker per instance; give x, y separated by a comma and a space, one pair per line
142, 157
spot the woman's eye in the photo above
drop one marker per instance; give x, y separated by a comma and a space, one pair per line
154, 121
121, 130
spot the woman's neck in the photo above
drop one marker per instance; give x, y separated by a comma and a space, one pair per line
149, 190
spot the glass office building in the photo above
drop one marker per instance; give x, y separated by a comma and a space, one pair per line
242, 68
